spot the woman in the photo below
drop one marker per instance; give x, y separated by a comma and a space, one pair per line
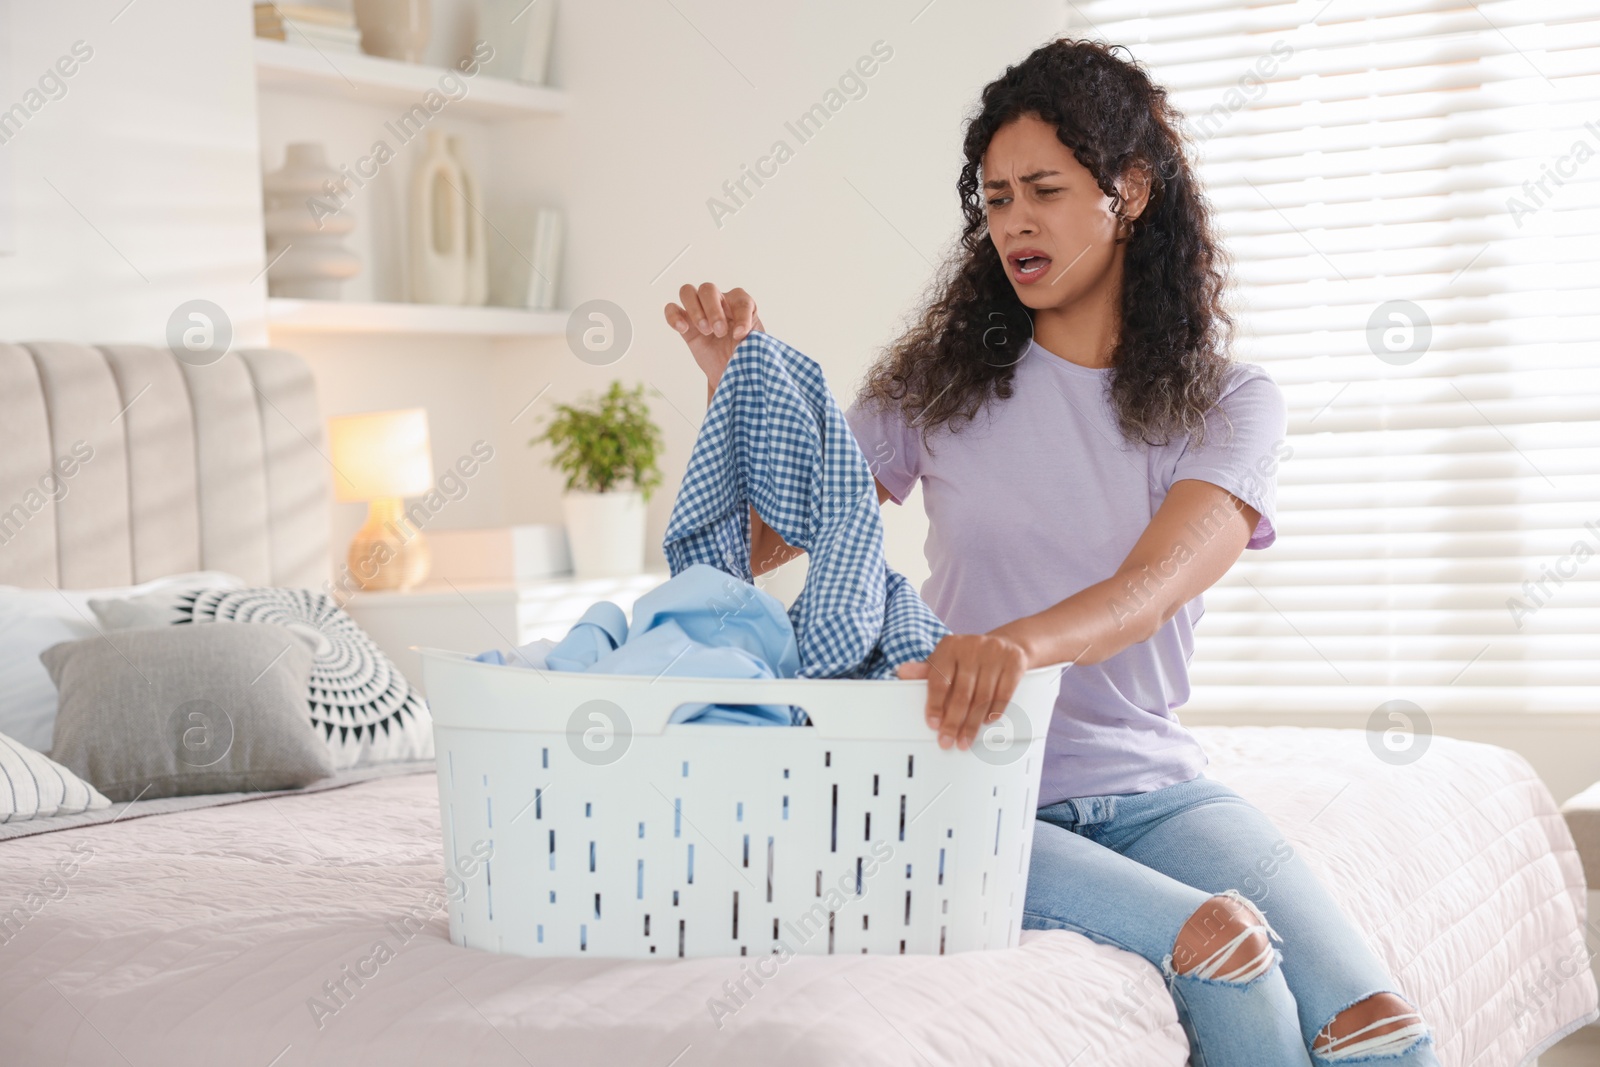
1092, 461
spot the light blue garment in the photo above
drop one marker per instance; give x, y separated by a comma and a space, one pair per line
598, 630
667, 649
774, 437
1131, 869
701, 623
531, 654
715, 608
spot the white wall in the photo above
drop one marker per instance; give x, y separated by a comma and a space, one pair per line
137, 189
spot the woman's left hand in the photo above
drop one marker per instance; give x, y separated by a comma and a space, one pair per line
971, 678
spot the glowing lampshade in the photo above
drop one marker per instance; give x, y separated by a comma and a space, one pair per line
381, 457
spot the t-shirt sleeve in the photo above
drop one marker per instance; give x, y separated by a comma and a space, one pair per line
893, 449
1243, 458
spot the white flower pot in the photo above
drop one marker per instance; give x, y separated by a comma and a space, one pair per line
605, 532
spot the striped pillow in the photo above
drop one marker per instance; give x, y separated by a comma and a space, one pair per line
34, 786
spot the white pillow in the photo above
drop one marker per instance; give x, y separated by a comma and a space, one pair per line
35, 787
31, 620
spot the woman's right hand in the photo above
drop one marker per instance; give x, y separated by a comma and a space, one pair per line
712, 324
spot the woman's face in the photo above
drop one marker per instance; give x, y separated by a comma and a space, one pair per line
1051, 224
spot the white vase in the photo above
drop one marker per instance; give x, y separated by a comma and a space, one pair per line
477, 250
394, 29
438, 238
605, 532
306, 227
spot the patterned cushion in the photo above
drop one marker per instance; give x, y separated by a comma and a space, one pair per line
360, 702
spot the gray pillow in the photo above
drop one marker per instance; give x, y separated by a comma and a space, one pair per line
364, 708
180, 710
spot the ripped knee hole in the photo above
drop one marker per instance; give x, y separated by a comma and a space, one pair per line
1381, 1024
1227, 939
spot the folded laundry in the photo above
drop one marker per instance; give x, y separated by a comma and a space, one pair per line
700, 623
774, 437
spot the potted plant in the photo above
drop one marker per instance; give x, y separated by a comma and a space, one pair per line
599, 446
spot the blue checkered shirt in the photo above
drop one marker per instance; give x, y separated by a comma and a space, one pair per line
774, 437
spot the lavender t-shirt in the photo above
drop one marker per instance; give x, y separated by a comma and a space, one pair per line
1040, 497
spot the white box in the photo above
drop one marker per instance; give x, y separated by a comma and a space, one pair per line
500, 554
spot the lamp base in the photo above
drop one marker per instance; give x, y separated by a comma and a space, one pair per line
386, 553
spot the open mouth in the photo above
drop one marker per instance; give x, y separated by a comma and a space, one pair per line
1028, 265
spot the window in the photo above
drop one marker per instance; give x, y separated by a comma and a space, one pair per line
1411, 194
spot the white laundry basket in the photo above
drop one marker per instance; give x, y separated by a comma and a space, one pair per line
578, 821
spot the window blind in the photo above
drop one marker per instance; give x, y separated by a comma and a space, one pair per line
1410, 191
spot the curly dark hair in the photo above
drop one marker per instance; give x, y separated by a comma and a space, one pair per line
1172, 347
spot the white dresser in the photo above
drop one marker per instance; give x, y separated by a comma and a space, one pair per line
472, 617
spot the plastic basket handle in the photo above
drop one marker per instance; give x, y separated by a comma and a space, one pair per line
837, 707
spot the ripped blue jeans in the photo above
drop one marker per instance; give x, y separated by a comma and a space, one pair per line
1130, 870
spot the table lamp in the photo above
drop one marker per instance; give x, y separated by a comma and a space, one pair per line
381, 457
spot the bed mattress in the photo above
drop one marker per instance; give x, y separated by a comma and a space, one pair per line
309, 929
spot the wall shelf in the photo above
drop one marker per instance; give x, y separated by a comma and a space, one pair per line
373, 80
336, 316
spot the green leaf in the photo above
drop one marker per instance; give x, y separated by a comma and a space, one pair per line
603, 443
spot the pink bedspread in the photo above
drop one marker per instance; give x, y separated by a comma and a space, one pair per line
218, 937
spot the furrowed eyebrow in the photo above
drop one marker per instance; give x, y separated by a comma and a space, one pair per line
1002, 183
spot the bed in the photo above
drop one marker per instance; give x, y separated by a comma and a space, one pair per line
246, 929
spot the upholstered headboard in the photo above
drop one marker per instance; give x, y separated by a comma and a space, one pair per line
120, 463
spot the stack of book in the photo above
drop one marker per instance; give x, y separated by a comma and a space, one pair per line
308, 26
